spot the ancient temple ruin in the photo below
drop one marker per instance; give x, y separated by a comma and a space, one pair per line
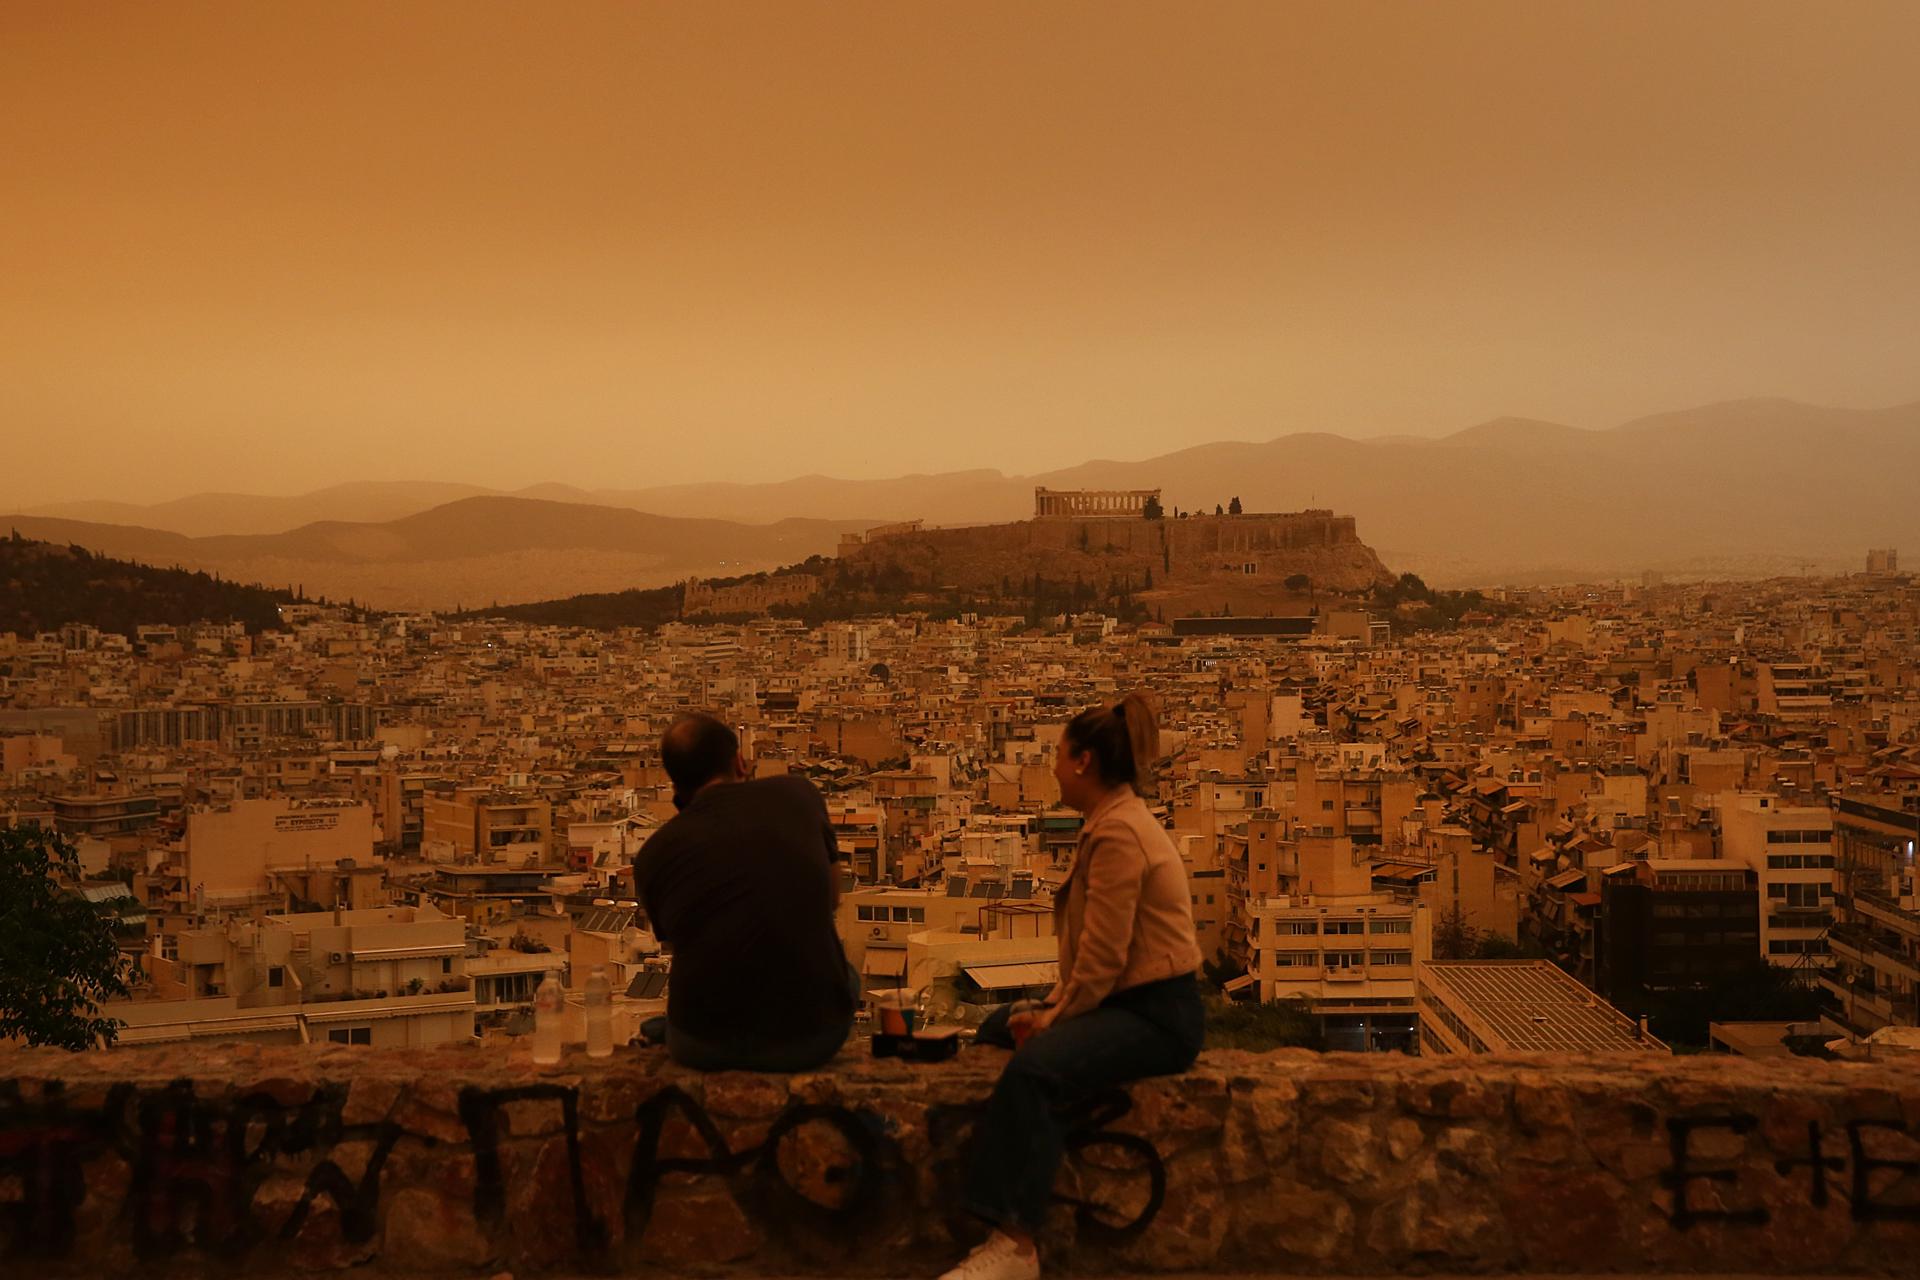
1082, 503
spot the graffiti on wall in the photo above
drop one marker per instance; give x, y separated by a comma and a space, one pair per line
1860, 1175
196, 1166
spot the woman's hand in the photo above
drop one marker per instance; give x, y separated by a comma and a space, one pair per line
1024, 1026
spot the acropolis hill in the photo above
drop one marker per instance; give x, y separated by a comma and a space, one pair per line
1193, 562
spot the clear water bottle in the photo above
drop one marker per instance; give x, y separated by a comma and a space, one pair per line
599, 1014
548, 1003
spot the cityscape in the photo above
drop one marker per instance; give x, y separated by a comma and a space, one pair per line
855, 640
1680, 816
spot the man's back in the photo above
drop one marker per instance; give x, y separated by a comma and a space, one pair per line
742, 885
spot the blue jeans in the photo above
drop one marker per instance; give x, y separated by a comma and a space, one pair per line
1151, 1030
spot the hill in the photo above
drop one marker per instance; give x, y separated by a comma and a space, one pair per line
487, 548
46, 586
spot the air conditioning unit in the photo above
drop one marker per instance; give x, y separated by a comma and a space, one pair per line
339, 957
879, 931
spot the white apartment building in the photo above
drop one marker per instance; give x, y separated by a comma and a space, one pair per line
1350, 956
1790, 848
394, 977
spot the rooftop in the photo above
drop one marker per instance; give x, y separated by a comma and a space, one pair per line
1533, 1006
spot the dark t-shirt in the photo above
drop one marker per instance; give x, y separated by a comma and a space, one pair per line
741, 884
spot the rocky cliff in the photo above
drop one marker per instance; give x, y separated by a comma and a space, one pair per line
1194, 562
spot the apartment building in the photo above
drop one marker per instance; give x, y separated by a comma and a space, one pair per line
1790, 850
393, 977
1351, 957
1674, 924
1875, 939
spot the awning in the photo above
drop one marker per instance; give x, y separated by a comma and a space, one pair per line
1007, 977
1241, 983
884, 964
1567, 879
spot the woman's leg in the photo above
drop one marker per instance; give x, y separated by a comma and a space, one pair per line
1019, 1142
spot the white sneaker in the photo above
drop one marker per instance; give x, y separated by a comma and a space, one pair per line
998, 1259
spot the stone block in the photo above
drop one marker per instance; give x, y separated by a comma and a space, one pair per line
1284, 1222
745, 1095
369, 1100
435, 1232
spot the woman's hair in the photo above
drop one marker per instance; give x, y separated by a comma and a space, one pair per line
1124, 739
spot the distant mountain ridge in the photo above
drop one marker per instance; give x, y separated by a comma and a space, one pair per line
1746, 486
473, 550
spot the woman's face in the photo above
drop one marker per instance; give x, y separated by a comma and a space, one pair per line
1073, 772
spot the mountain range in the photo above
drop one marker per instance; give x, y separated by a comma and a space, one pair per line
1737, 488
471, 551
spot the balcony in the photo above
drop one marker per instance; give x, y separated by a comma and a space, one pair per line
1856, 1002
1799, 918
1861, 946
1883, 909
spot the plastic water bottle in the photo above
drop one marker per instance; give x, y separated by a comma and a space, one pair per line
548, 1002
599, 1014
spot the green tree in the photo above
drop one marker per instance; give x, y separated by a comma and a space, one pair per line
1297, 582
1233, 507
1152, 510
58, 958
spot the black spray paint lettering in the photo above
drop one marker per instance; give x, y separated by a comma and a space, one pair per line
755, 1171
1868, 1203
195, 1166
480, 1112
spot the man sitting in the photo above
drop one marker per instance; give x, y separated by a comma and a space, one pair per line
742, 884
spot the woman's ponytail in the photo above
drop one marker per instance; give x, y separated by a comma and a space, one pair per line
1124, 739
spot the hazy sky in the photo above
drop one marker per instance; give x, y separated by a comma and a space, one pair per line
273, 246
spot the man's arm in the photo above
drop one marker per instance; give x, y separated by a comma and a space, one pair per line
646, 879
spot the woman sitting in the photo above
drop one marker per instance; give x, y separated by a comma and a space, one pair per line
1127, 1004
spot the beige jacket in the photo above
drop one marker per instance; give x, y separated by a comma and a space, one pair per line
1124, 917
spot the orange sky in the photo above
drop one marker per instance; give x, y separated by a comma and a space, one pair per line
267, 247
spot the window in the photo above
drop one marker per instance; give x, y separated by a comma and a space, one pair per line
1327, 805
1297, 928
1390, 926
1803, 895
1345, 926
1776, 891
1346, 959
1296, 959
1393, 958
276, 976
351, 1035
902, 914
446, 964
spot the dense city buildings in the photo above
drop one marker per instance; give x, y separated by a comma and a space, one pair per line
1650, 798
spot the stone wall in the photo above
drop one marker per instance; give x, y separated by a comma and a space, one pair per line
1179, 553
235, 1157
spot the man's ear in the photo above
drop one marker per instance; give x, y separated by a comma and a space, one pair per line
740, 768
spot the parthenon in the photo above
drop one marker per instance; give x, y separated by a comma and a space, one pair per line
1092, 502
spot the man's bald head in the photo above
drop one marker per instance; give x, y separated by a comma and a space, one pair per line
697, 749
